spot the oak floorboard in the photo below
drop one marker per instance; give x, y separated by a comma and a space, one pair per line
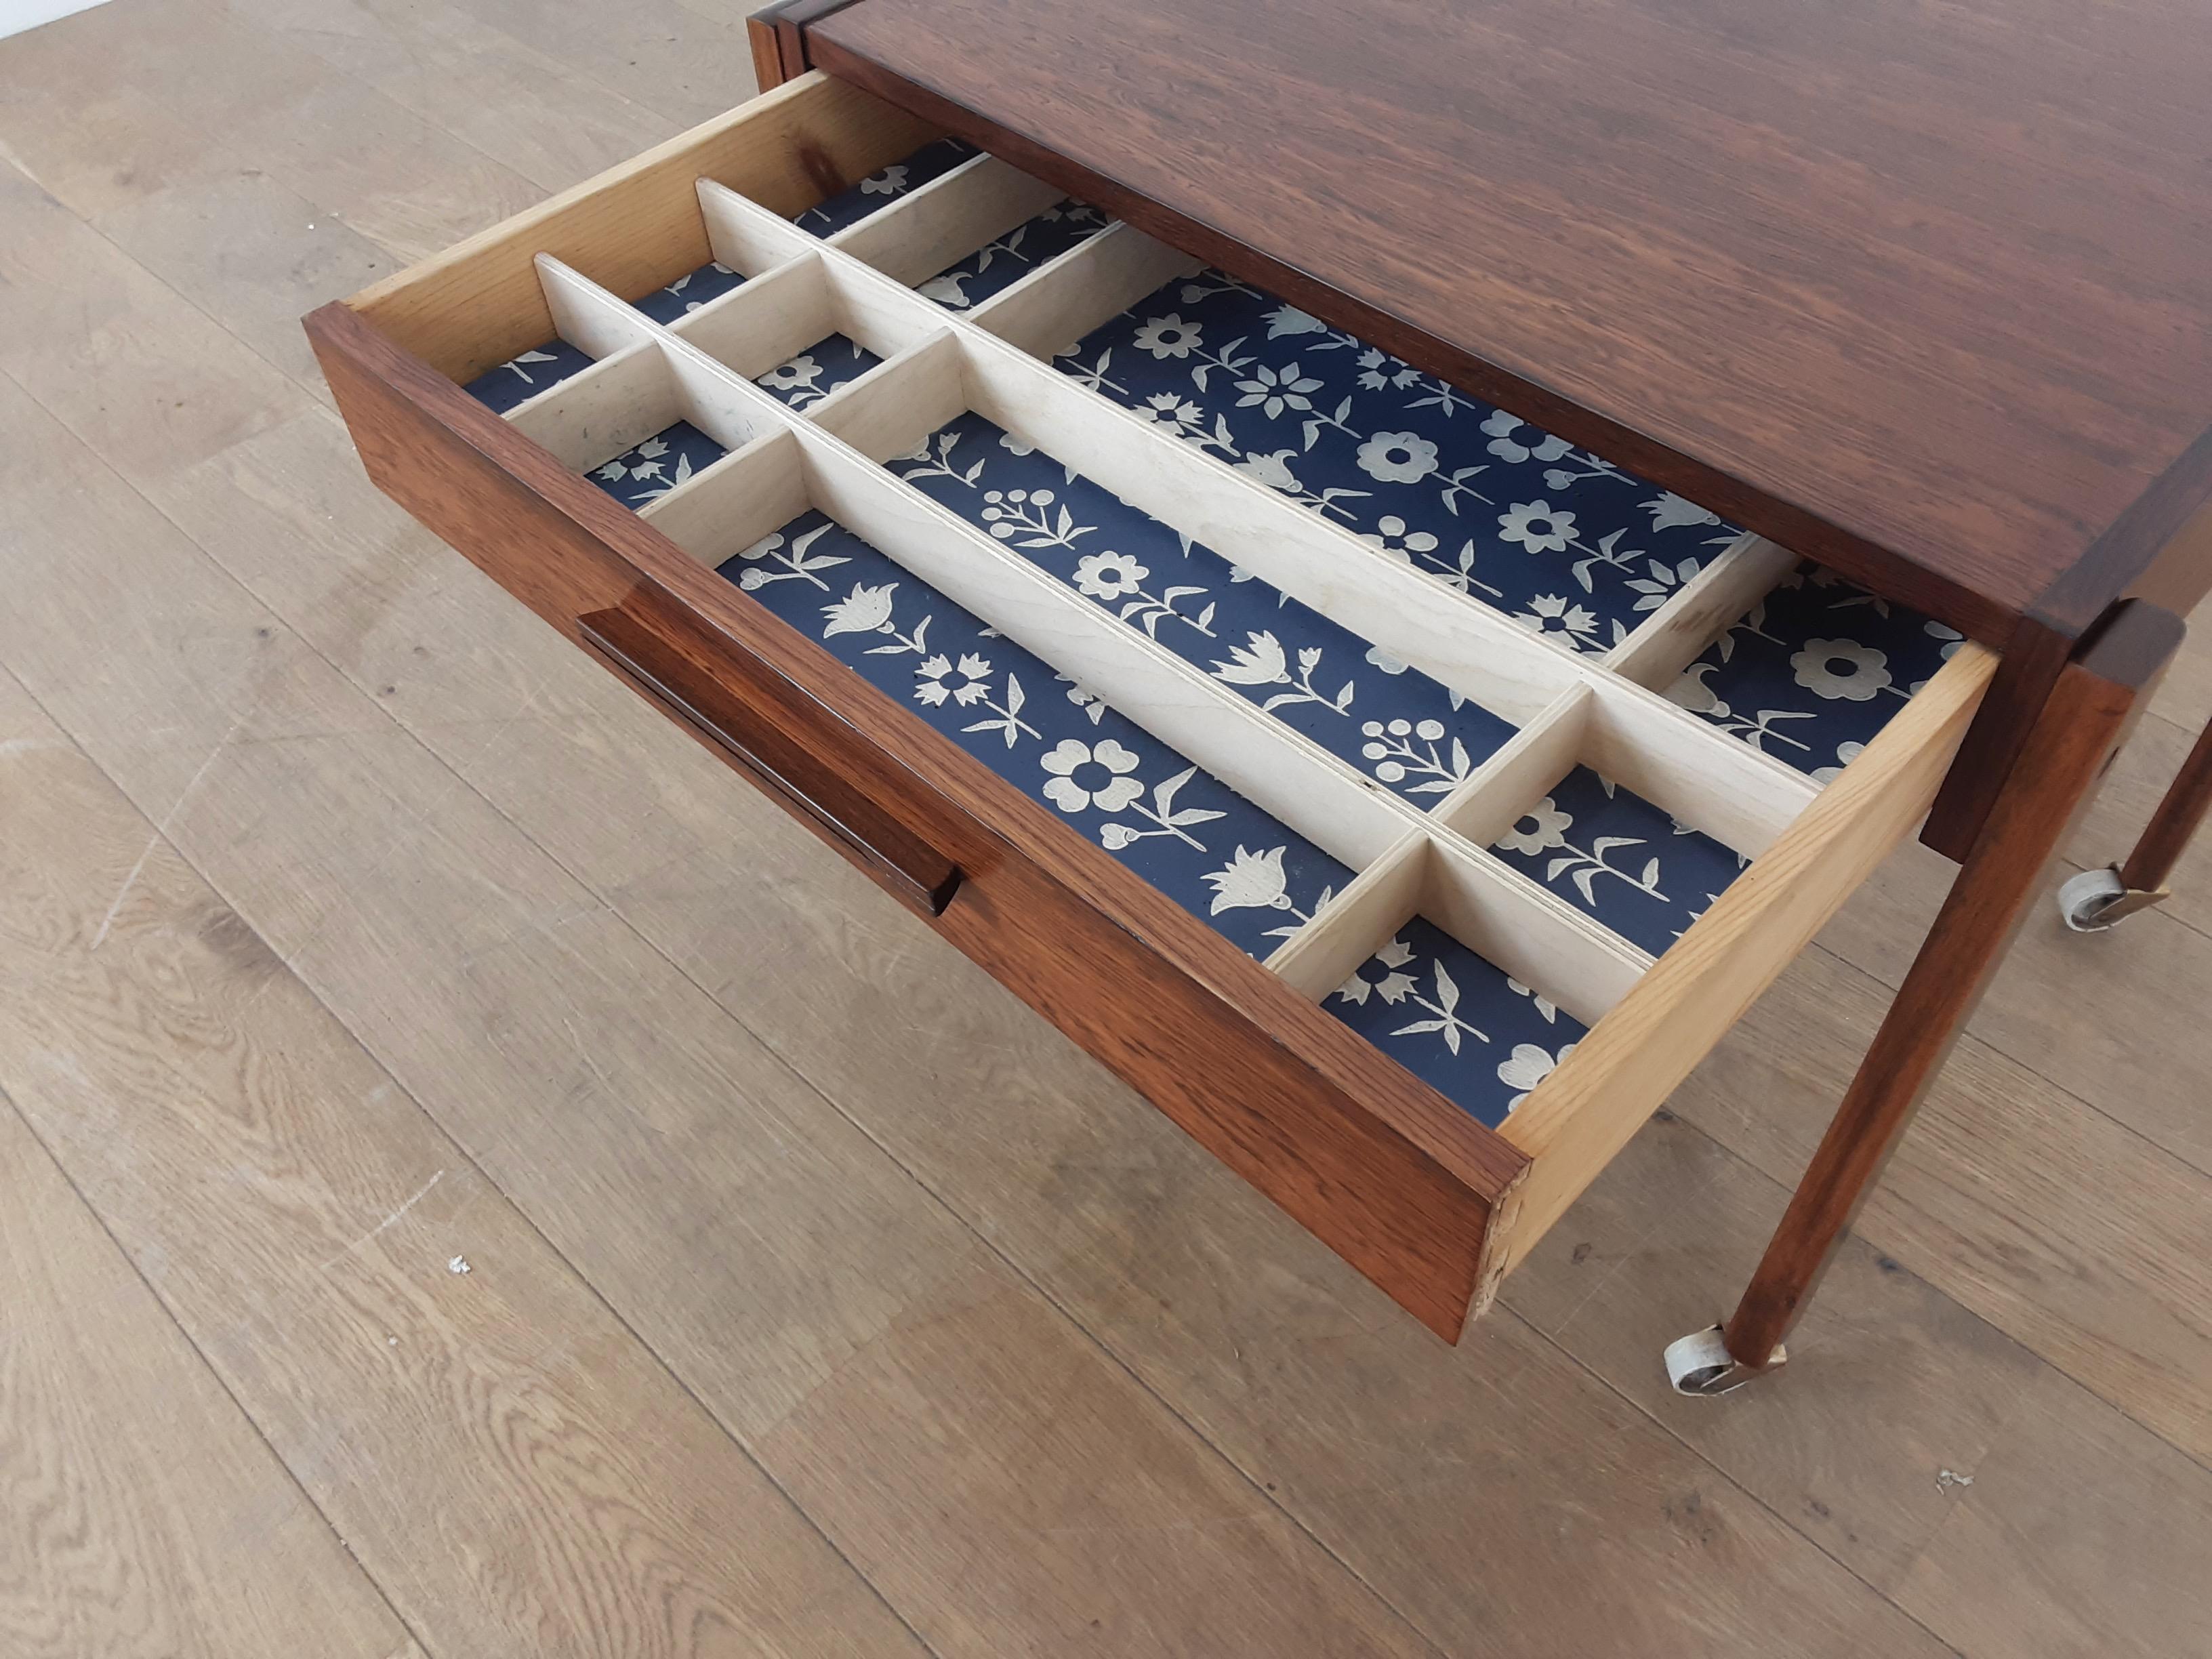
142, 1516
252, 253
118, 356
2082, 1537
2063, 1228
510, 1467
1390, 1448
552, 122
2114, 1019
1891, 1380
751, 1236
686, 64
109, 105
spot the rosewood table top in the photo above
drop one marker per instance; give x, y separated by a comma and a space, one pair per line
1922, 289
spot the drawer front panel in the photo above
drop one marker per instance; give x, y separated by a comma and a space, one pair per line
833, 497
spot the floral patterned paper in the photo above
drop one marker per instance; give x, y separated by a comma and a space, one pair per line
652, 468
815, 373
1184, 831
878, 189
1815, 669
1567, 544
1478, 1036
689, 292
525, 375
1615, 856
1000, 265
1391, 721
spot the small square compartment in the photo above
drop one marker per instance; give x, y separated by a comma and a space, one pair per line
642, 423
802, 331
884, 187
1448, 967
1814, 670
1601, 805
972, 232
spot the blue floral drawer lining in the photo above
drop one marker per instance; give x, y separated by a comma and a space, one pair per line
1814, 670
968, 282
1614, 856
1566, 542
1472, 1032
1183, 830
1389, 720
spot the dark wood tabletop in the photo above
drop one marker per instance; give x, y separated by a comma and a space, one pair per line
1919, 287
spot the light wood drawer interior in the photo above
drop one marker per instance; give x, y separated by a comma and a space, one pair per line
1528, 773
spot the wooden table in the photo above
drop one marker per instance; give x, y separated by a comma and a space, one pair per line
1922, 291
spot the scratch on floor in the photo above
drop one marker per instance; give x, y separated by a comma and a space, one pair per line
388, 1222
160, 830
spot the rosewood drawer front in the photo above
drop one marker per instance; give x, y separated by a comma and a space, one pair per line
1401, 800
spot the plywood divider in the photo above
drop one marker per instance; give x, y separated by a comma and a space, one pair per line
1509, 921
767, 321
903, 400
597, 414
1740, 796
1673, 636
637, 225
1347, 931
1067, 296
1522, 772
943, 222
721, 510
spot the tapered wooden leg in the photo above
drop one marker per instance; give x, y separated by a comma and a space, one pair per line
2073, 741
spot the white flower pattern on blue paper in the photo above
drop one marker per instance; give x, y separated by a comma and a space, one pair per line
1564, 542
1815, 669
1398, 727
1184, 831
1615, 856
1468, 1030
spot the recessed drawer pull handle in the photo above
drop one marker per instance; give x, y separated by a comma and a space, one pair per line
692, 678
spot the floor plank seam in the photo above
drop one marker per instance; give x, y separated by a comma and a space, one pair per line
1888, 992
1766, 1508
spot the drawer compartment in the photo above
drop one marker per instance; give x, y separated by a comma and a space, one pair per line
1390, 794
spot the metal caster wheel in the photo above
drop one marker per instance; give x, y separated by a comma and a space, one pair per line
2083, 899
1700, 1364
2098, 899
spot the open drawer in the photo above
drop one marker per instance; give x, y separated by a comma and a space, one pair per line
1403, 800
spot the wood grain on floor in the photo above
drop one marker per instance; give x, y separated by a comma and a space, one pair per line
820, 1299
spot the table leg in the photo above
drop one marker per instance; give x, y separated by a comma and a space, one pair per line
2074, 740
2098, 899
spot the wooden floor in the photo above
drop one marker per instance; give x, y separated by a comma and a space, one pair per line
476, 1179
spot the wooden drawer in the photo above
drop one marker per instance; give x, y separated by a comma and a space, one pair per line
1363, 856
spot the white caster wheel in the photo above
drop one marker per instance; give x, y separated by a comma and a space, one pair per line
1700, 1364
2084, 900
